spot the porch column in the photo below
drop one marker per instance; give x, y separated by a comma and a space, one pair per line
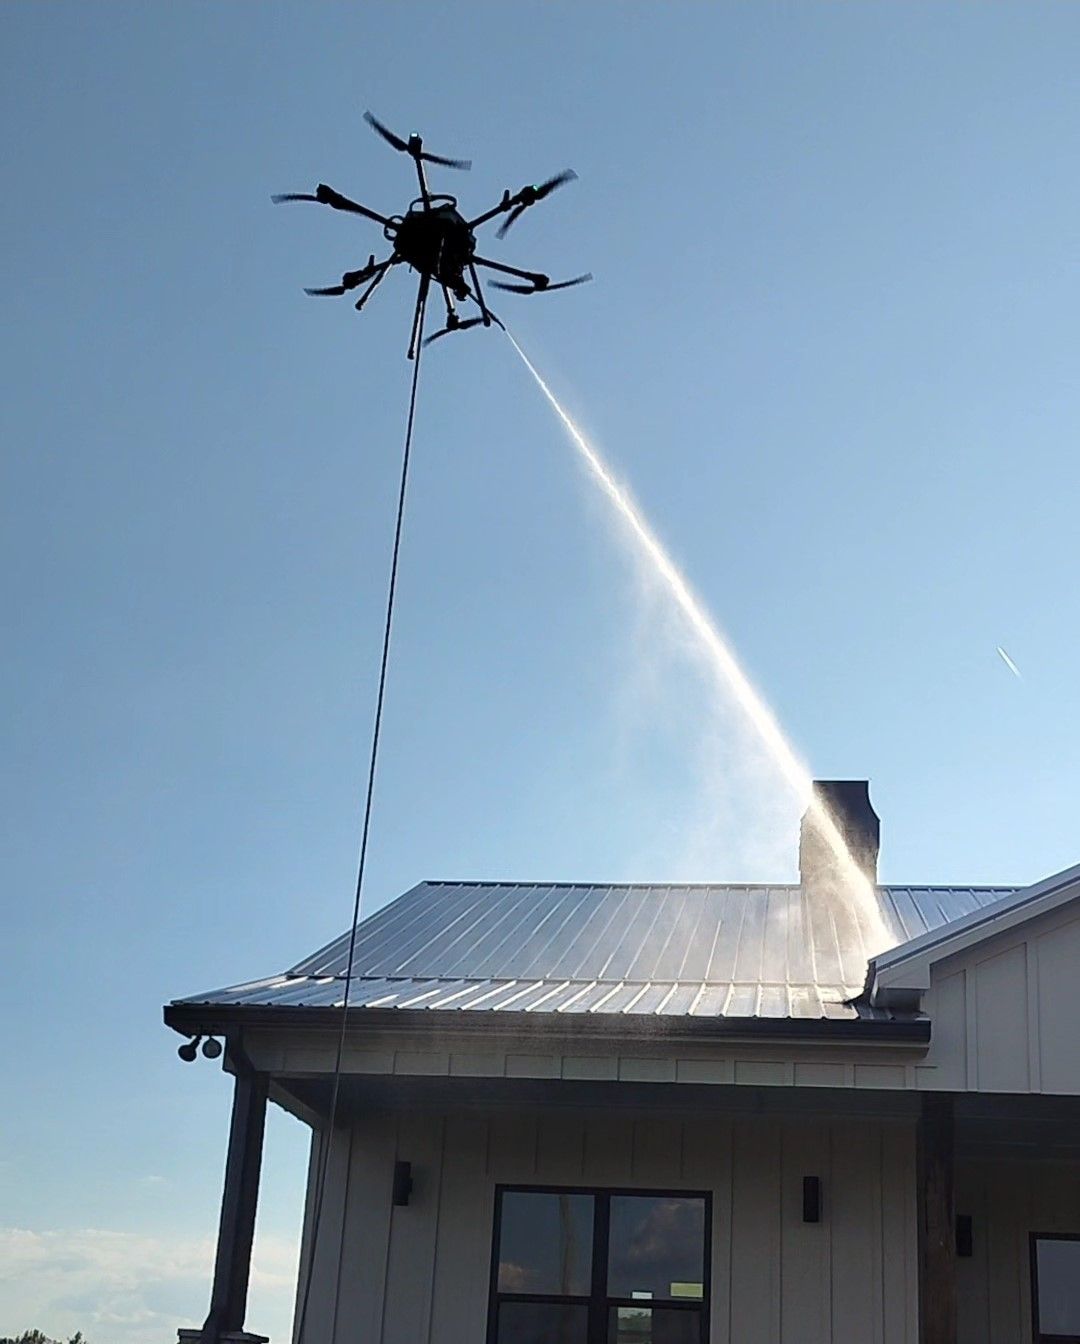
937, 1223
236, 1230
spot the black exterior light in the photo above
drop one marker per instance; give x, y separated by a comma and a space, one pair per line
211, 1048
403, 1183
189, 1050
811, 1199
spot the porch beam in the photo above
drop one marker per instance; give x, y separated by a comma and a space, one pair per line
937, 1222
239, 1199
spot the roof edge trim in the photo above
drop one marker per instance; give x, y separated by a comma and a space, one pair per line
910, 1030
892, 977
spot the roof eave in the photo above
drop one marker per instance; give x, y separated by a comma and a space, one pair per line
218, 1019
899, 977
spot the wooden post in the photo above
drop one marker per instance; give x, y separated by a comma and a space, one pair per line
937, 1237
236, 1231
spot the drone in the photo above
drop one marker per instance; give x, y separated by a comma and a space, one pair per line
436, 240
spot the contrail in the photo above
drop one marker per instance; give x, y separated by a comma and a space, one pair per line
724, 662
1009, 663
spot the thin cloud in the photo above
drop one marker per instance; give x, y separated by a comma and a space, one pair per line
129, 1288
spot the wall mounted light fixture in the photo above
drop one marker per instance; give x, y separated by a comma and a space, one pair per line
403, 1183
811, 1199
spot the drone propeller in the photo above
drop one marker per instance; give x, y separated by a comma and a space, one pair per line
350, 280
407, 146
541, 289
530, 195
464, 326
458, 326
325, 195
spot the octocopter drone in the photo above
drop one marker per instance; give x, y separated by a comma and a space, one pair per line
437, 241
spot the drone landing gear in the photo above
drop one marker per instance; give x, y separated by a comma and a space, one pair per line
485, 315
381, 272
418, 315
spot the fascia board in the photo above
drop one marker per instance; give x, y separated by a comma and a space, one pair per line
210, 1019
907, 967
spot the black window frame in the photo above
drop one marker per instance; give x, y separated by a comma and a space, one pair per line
597, 1303
1038, 1335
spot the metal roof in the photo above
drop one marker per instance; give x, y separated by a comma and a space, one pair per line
695, 950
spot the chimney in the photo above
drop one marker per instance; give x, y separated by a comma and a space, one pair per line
848, 803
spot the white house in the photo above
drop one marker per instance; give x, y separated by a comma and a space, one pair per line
672, 1114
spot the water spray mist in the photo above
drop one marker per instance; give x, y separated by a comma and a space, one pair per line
723, 663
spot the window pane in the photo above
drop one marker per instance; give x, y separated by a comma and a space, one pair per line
545, 1244
653, 1325
656, 1247
542, 1323
1058, 1268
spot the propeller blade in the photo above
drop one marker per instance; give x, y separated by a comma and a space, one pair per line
463, 164
386, 133
577, 280
329, 289
541, 289
405, 148
530, 195
282, 196
461, 326
560, 179
516, 213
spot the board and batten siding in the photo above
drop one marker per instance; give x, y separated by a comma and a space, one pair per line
1004, 1013
1008, 1201
420, 1274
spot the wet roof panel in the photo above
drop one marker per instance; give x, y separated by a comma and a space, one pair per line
660, 950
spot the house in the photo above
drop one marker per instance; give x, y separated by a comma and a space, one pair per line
568, 1114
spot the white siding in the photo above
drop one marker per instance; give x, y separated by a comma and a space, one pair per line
1004, 1013
1008, 1201
802, 1064
420, 1274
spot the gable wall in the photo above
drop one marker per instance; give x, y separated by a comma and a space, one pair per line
1004, 1014
420, 1274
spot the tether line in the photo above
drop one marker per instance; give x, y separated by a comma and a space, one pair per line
328, 1133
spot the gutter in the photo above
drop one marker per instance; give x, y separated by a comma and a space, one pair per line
218, 1019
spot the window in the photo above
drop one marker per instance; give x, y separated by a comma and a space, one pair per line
1055, 1287
599, 1267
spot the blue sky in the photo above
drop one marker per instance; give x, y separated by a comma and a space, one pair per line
830, 346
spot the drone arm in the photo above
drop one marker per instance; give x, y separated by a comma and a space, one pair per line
422, 177
507, 203
328, 196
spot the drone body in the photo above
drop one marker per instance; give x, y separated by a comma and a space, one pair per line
436, 240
